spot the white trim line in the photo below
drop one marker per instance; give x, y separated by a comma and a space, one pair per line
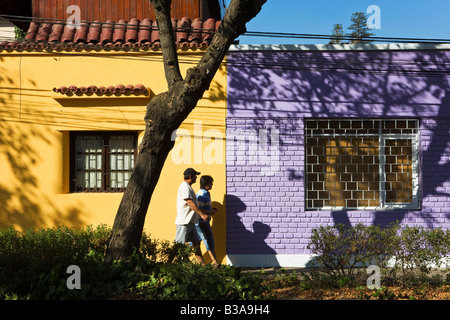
293, 261
269, 260
338, 47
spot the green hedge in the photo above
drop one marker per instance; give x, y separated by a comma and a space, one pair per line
33, 265
25, 257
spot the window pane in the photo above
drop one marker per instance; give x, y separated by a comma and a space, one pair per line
349, 167
398, 170
121, 157
88, 164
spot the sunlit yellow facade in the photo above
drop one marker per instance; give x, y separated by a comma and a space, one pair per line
35, 125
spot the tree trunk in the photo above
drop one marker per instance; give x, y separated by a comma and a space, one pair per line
165, 113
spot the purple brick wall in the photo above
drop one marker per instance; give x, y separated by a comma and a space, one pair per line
275, 91
265, 211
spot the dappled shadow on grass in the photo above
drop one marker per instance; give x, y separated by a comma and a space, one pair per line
313, 284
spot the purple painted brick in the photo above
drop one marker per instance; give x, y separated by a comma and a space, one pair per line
270, 217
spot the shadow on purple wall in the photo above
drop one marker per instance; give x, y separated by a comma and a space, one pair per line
297, 84
253, 235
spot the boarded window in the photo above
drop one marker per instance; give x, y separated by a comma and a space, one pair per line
361, 163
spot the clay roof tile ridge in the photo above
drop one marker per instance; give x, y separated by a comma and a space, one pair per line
134, 34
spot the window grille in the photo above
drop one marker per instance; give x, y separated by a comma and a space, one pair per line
364, 164
102, 161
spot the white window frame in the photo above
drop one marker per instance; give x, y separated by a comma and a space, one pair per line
415, 172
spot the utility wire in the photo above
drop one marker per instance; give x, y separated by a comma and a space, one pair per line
248, 33
306, 64
323, 63
330, 37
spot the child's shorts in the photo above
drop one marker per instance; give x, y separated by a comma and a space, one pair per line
204, 230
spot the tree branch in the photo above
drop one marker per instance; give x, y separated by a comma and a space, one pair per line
165, 113
169, 50
239, 12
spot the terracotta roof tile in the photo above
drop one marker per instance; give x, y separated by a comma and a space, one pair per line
136, 34
118, 89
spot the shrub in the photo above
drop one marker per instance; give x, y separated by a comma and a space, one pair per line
33, 265
165, 251
342, 249
189, 281
417, 250
24, 256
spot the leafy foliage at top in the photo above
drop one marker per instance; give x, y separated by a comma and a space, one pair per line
33, 265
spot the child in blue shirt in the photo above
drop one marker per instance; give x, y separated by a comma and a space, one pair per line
203, 226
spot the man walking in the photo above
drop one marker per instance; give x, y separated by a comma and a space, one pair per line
188, 213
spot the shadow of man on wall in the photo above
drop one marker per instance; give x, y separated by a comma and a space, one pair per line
245, 236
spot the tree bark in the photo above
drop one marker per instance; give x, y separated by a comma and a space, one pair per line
165, 113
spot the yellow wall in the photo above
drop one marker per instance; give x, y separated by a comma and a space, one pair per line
34, 138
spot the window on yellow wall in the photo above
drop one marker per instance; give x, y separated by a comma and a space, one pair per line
365, 164
102, 161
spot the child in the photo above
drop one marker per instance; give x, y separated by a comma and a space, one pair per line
203, 227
